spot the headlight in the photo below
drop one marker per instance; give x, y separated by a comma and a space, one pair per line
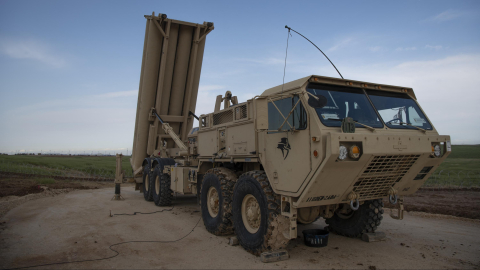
342, 152
354, 152
437, 151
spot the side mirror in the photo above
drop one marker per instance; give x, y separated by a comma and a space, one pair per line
317, 102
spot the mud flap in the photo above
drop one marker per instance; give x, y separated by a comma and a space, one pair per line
291, 213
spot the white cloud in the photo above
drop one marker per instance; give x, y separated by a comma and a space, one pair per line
264, 61
118, 94
375, 49
31, 49
104, 121
406, 49
212, 87
445, 88
341, 44
446, 16
435, 47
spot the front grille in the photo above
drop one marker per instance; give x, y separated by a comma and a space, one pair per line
423, 173
381, 174
223, 117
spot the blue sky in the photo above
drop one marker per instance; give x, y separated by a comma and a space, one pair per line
69, 70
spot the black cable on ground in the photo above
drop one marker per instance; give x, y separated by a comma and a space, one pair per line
135, 213
117, 244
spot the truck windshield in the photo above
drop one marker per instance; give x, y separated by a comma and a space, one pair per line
398, 110
345, 102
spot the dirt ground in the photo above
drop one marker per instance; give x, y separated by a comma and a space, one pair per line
22, 186
18, 190
77, 226
460, 203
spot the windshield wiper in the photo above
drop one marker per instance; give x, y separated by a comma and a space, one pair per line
403, 123
368, 127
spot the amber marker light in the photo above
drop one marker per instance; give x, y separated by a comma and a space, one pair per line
354, 152
315, 139
315, 153
436, 151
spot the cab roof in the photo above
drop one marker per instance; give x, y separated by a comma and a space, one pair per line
336, 81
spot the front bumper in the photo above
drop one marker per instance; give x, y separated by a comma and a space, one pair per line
403, 163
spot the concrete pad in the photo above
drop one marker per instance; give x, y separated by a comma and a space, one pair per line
374, 237
274, 256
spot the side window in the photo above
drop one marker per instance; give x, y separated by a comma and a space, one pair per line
204, 121
415, 119
298, 119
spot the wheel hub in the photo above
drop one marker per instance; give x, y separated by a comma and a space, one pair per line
213, 201
251, 215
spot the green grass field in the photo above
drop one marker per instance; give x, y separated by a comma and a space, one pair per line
63, 165
461, 168
462, 158
465, 151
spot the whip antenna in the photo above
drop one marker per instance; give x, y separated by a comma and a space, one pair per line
286, 53
286, 26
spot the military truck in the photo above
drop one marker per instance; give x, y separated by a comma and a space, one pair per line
314, 147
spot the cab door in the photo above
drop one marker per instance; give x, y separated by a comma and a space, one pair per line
287, 151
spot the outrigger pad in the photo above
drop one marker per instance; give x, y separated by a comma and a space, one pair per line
374, 237
274, 256
233, 241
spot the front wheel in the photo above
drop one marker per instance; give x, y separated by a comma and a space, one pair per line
355, 223
259, 225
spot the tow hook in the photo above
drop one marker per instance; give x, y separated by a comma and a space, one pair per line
399, 208
355, 208
354, 199
392, 198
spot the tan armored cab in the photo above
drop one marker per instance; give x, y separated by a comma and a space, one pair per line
314, 147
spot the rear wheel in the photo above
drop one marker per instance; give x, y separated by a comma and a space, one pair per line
147, 176
259, 225
162, 194
355, 223
216, 199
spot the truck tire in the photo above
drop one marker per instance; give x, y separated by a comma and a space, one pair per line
365, 220
259, 225
147, 184
216, 200
161, 192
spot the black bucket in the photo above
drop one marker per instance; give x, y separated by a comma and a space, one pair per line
315, 238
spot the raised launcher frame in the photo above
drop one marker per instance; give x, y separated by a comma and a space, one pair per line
169, 80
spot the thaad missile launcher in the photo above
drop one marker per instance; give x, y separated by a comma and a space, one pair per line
314, 147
